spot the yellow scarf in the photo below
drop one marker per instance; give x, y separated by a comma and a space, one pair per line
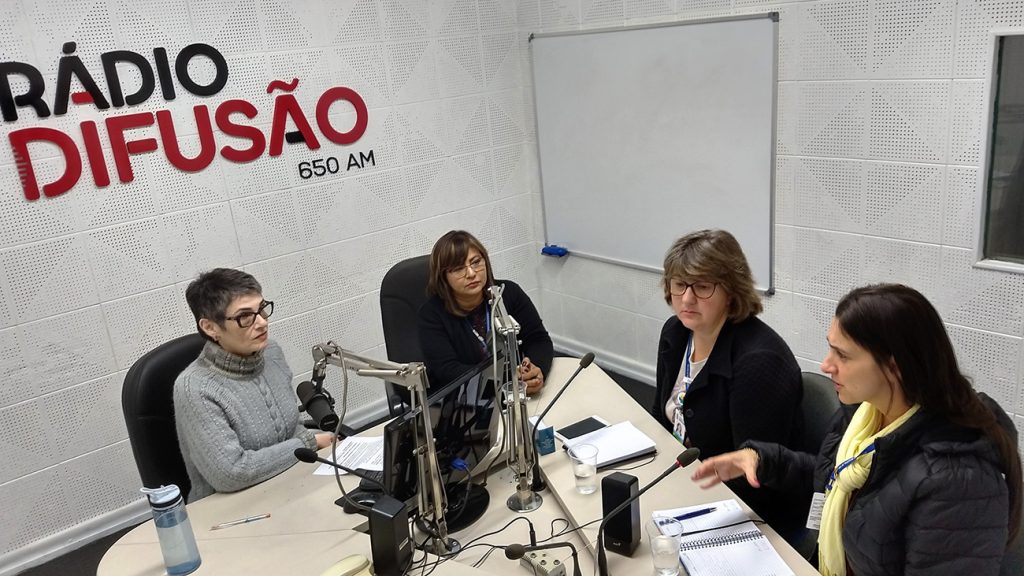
860, 434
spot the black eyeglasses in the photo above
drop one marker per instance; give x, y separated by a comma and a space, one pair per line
701, 289
246, 319
477, 264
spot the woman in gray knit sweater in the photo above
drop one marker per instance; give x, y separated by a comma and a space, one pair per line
235, 410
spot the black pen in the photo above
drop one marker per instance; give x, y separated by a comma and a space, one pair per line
695, 513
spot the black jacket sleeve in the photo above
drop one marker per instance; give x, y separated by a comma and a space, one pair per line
536, 343
800, 472
781, 468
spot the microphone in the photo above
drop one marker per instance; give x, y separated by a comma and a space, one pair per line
538, 482
684, 459
317, 402
517, 551
310, 456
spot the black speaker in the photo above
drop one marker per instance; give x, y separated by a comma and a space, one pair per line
622, 532
390, 542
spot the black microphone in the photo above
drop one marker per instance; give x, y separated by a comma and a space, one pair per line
538, 482
517, 551
318, 403
310, 456
686, 458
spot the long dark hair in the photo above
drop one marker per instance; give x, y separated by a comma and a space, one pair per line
896, 323
449, 252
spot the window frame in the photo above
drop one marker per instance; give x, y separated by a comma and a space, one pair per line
985, 168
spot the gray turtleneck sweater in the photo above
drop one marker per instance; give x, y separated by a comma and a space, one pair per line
237, 419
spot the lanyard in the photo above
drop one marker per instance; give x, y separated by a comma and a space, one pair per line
686, 373
686, 365
487, 327
844, 465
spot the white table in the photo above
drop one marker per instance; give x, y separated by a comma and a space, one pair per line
307, 533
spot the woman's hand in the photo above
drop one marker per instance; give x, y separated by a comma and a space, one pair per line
323, 439
531, 376
727, 466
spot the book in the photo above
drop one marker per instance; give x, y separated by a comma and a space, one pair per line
723, 541
616, 443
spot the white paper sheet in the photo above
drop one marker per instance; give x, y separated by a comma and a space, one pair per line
357, 452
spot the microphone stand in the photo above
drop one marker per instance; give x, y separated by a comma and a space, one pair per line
432, 500
506, 329
538, 482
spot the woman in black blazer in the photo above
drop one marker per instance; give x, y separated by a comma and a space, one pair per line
454, 323
725, 377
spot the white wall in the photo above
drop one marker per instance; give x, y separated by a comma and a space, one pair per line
880, 121
92, 279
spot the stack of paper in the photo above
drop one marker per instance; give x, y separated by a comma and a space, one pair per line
355, 452
616, 443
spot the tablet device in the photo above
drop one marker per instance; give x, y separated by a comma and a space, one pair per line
585, 426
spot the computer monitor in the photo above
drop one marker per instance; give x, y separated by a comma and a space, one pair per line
460, 414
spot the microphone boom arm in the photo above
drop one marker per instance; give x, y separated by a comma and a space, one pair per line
522, 454
432, 500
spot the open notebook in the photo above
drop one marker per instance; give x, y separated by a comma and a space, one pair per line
724, 542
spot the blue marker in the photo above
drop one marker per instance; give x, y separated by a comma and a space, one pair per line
554, 250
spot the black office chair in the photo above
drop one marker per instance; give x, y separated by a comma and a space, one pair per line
819, 404
402, 292
147, 400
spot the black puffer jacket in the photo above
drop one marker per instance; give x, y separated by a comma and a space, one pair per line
935, 501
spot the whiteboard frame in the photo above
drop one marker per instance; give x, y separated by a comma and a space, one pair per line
771, 15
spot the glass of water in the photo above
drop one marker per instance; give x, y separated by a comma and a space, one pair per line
584, 467
664, 535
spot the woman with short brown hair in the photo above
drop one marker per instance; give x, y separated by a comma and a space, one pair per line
724, 376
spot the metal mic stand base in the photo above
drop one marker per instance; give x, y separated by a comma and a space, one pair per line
524, 501
438, 548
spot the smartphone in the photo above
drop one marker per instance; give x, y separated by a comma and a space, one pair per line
585, 426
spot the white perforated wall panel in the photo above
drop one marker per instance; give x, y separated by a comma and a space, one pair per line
94, 278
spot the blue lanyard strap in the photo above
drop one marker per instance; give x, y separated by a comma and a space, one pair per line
487, 326
838, 469
686, 364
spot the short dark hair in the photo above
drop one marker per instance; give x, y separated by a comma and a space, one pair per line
210, 294
715, 256
897, 324
450, 252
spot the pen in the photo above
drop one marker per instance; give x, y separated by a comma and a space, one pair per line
241, 521
695, 513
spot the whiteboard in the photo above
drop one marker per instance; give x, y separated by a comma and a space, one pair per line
647, 133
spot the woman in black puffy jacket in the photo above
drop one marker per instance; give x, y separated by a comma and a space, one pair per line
919, 474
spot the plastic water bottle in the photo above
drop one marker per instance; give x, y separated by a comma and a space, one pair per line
177, 542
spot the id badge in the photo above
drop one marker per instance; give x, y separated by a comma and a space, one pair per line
679, 424
814, 515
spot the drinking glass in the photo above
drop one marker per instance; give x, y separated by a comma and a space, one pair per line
664, 535
584, 467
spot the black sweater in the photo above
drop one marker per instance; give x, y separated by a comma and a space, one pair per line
450, 348
749, 389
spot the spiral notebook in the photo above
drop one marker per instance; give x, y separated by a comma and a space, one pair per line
724, 542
